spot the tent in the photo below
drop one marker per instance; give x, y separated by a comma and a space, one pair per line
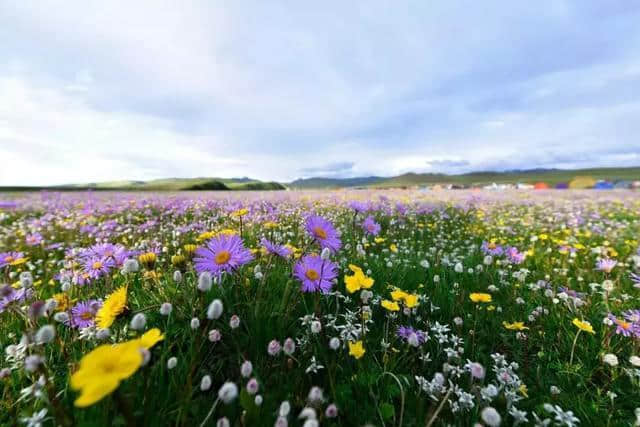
603, 185
541, 186
622, 184
581, 182
562, 185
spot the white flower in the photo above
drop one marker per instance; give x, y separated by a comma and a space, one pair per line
45, 334
195, 323
246, 369
234, 322
177, 276
490, 416
172, 362
334, 343
130, 266
228, 392
316, 327
204, 281
610, 359
285, 408
214, 335
138, 322
223, 422
258, 400
166, 308
325, 254
214, 311
205, 383
635, 361
315, 395
289, 346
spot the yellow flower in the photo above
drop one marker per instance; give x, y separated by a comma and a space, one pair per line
411, 300
111, 308
240, 212
148, 259
356, 349
583, 325
63, 302
150, 338
390, 305
393, 248
190, 248
398, 295
269, 225
515, 326
480, 297
102, 369
379, 239
523, 390
358, 280
19, 261
206, 235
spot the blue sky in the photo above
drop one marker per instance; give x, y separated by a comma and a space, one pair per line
94, 91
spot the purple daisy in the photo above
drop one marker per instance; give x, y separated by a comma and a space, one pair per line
490, 248
9, 295
635, 278
606, 265
323, 232
275, 249
33, 239
83, 313
223, 253
315, 273
97, 267
370, 226
514, 255
6, 258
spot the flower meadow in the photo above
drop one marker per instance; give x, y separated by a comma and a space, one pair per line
383, 308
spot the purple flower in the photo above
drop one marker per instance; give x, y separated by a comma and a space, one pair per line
272, 248
606, 265
6, 258
406, 332
33, 239
514, 256
98, 267
223, 253
83, 313
323, 232
315, 273
623, 327
635, 278
371, 226
490, 248
117, 253
9, 295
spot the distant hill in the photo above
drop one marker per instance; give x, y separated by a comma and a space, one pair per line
166, 184
549, 176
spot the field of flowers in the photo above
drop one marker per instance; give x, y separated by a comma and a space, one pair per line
385, 308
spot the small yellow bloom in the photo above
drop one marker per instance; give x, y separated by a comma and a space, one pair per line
515, 326
111, 308
150, 338
583, 325
356, 349
480, 297
390, 305
379, 239
240, 212
357, 281
393, 248
411, 300
523, 390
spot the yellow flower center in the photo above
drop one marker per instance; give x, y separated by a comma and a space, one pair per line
9, 258
96, 265
222, 257
624, 325
320, 233
312, 274
86, 315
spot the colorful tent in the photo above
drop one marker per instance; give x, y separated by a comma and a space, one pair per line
562, 185
582, 182
603, 185
541, 186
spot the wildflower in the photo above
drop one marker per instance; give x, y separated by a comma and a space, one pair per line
252, 386
273, 348
246, 369
289, 346
102, 370
111, 308
234, 322
205, 383
204, 281
228, 392
393, 248
195, 323
138, 322
223, 253
166, 308
515, 326
172, 362
610, 359
606, 265
279, 250
150, 338
583, 325
148, 260
45, 334
315, 274
214, 335
635, 361
356, 349
316, 395
370, 226
390, 305
32, 363
258, 400
331, 411
214, 311
334, 343
480, 297
83, 313
323, 232
316, 327
358, 280
11, 258
130, 266
490, 416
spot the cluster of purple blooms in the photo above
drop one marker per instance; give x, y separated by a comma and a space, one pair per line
370, 226
408, 333
514, 255
99, 260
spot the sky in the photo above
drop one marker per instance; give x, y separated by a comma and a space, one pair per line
277, 90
